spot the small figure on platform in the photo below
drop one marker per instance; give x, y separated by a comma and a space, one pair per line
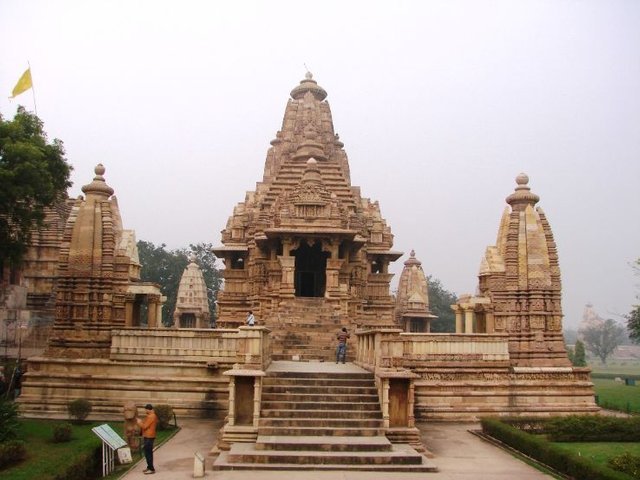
341, 351
251, 320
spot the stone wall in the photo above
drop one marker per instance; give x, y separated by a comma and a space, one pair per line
183, 368
466, 376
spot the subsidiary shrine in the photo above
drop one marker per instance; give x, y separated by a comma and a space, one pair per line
308, 254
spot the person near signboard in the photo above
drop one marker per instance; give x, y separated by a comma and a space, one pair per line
148, 427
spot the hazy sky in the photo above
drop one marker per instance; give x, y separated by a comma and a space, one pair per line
440, 105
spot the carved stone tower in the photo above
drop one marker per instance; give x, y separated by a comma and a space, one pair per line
412, 302
98, 277
192, 304
519, 286
306, 236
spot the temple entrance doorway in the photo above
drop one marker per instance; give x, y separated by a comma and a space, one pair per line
310, 270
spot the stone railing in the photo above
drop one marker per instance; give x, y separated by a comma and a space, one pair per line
183, 345
253, 348
388, 348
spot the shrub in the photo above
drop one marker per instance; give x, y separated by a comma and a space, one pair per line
62, 433
589, 428
165, 416
8, 420
12, 451
86, 465
627, 463
79, 409
538, 448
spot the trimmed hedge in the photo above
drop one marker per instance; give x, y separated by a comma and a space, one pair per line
165, 416
85, 467
549, 454
589, 428
12, 451
62, 432
626, 463
79, 409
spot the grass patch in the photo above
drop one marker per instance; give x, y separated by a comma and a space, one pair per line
617, 396
46, 460
599, 452
620, 369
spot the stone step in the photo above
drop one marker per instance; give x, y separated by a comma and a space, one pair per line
321, 422
323, 431
324, 444
281, 381
292, 413
321, 406
301, 356
316, 397
325, 375
320, 389
247, 453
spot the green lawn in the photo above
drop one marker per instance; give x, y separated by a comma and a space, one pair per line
626, 368
46, 459
600, 452
617, 396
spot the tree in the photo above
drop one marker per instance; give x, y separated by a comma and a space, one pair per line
34, 174
633, 317
602, 338
165, 267
633, 324
440, 301
579, 355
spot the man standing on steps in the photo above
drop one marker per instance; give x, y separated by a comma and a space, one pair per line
251, 320
341, 351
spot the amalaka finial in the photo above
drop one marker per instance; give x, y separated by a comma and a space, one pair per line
98, 186
523, 194
412, 259
309, 85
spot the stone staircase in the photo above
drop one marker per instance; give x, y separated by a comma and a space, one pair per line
322, 421
306, 329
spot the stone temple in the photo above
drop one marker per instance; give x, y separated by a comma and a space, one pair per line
307, 254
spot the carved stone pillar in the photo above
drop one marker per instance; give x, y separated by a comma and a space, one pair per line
152, 310
287, 285
333, 277
459, 322
468, 319
490, 319
128, 310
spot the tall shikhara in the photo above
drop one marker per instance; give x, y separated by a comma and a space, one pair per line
306, 238
519, 291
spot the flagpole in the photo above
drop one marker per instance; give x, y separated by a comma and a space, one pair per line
33, 90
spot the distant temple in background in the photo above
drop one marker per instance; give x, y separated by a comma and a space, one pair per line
192, 303
412, 302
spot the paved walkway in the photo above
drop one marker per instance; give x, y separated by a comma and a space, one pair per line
458, 454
